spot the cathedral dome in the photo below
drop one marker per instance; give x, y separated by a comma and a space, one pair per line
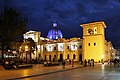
54, 33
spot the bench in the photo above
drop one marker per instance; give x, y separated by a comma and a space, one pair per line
55, 63
25, 66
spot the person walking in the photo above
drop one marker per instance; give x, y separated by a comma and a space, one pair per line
63, 64
69, 61
13, 64
92, 60
89, 62
72, 62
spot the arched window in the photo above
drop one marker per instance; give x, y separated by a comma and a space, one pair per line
45, 57
74, 56
95, 30
94, 44
54, 58
45, 48
49, 57
54, 48
80, 46
61, 57
68, 56
88, 44
67, 47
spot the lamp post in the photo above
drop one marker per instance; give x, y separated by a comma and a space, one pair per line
20, 51
26, 50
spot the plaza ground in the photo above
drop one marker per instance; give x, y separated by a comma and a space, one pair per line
78, 72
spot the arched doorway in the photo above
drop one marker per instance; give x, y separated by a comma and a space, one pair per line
45, 57
74, 56
80, 57
49, 57
68, 56
54, 58
61, 57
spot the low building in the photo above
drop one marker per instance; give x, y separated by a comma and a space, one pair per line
63, 49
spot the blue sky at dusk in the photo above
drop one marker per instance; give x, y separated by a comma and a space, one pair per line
69, 14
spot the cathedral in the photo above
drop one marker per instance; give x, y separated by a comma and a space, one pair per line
56, 48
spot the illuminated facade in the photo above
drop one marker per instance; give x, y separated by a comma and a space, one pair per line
62, 49
32, 34
92, 46
110, 52
30, 52
54, 33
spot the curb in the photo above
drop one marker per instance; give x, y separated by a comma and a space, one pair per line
45, 73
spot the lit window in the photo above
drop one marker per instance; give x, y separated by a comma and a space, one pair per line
49, 48
60, 47
73, 46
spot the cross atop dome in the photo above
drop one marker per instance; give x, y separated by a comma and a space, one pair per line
54, 24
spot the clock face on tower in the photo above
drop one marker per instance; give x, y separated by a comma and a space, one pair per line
90, 31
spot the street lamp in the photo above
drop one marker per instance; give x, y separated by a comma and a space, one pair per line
102, 56
26, 49
20, 51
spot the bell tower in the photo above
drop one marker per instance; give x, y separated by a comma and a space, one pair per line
94, 40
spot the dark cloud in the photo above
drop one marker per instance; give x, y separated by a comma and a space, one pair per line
69, 14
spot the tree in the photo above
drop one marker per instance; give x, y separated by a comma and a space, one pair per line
15, 45
12, 25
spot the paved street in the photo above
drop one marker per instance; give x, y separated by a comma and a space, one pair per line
36, 70
39, 72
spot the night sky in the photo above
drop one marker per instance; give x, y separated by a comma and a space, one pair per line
69, 14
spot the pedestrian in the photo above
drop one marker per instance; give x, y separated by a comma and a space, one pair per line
92, 60
7, 65
108, 61
63, 64
118, 62
13, 64
69, 61
102, 61
111, 61
81, 62
6, 62
89, 63
114, 62
72, 62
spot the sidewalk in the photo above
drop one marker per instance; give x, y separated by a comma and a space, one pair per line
37, 70
1, 68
